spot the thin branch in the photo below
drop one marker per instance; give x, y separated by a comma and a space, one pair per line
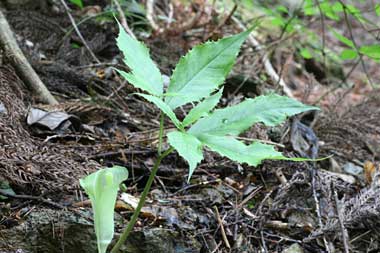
21, 64
220, 222
340, 218
317, 206
323, 36
123, 20
29, 197
150, 13
78, 32
354, 42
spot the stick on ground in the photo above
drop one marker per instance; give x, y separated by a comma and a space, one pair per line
21, 64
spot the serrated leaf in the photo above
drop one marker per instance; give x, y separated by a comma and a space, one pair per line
163, 107
78, 3
377, 9
144, 73
102, 186
203, 69
270, 110
237, 151
329, 11
189, 147
202, 109
309, 8
348, 54
372, 51
305, 53
343, 39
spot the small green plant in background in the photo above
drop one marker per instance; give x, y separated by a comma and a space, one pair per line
78, 3
197, 78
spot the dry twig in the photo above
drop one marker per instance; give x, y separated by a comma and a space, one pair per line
341, 223
149, 15
78, 32
224, 236
123, 19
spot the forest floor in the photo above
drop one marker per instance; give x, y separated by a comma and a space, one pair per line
279, 206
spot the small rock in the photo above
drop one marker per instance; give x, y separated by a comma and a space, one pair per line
352, 169
2, 108
294, 248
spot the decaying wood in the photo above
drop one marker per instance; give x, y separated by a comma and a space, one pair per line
21, 64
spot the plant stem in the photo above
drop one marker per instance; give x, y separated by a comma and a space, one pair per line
136, 213
161, 133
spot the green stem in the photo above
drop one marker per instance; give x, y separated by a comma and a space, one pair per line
141, 203
161, 133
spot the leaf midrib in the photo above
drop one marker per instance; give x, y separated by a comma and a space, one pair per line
202, 69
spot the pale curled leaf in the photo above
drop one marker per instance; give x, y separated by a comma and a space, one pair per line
270, 110
102, 186
144, 73
203, 69
202, 108
189, 147
163, 107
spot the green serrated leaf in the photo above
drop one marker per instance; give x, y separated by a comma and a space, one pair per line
343, 39
102, 186
144, 73
271, 110
203, 69
377, 9
78, 3
372, 51
305, 53
328, 10
309, 8
163, 107
238, 151
348, 54
202, 109
189, 147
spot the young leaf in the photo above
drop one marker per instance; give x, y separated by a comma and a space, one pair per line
189, 147
202, 108
163, 107
78, 3
305, 53
271, 110
203, 69
372, 51
348, 54
377, 9
237, 151
343, 39
102, 186
144, 73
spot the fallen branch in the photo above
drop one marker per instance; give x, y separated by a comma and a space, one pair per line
21, 64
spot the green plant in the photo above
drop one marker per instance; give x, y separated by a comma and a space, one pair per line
78, 3
197, 78
102, 187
